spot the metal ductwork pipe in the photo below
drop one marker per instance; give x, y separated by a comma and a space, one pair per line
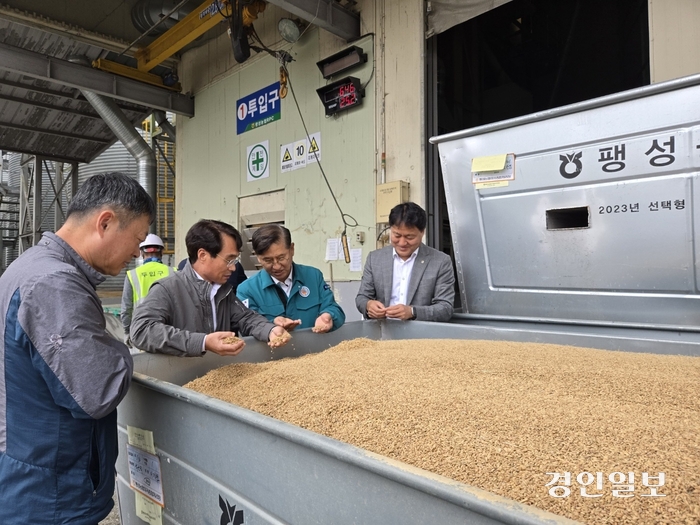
133, 142
126, 133
146, 13
164, 123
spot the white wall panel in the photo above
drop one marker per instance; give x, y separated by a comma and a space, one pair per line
212, 160
404, 68
674, 38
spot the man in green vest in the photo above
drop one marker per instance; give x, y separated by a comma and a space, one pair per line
139, 280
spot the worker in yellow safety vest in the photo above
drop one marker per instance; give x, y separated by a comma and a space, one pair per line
139, 280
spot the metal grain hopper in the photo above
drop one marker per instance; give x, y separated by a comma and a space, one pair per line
587, 239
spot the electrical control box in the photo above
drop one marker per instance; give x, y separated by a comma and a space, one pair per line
389, 195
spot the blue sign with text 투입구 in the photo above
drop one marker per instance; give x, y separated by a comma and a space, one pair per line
258, 109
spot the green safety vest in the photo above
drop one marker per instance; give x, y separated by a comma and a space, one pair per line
143, 277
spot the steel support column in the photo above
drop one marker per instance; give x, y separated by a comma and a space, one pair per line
73, 181
37, 200
58, 185
25, 191
59, 216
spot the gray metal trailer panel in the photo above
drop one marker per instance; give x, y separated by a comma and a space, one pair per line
276, 472
599, 220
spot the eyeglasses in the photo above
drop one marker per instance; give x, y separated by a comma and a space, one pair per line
268, 261
230, 263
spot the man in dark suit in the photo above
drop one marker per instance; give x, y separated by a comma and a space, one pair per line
407, 280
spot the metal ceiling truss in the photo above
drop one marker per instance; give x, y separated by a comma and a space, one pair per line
64, 30
56, 158
37, 89
34, 129
44, 105
68, 95
37, 66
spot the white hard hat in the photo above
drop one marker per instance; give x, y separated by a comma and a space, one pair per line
152, 240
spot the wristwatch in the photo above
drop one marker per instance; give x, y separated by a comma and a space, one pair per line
413, 314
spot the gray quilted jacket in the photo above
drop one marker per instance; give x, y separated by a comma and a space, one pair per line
176, 315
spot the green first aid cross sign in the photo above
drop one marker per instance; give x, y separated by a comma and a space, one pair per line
258, 161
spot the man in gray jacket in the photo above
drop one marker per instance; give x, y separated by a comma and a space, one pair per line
61, 374
195, 310
407, 280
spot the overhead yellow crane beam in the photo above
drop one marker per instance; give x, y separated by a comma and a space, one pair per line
195, 24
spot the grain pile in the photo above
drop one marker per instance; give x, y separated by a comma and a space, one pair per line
499, 415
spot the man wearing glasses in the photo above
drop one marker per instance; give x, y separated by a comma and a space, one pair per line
195, 310
237, 274
288, 294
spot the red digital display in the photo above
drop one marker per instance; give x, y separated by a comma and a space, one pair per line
347, 95
343, 94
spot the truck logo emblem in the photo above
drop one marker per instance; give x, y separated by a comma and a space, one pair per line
229, 514
574, 158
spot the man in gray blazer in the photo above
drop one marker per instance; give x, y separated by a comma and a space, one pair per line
407, 280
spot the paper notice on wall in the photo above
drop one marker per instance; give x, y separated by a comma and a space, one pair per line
332, 249
356, 259
147, 510
144, 474
487, 185
299, 154
140, 438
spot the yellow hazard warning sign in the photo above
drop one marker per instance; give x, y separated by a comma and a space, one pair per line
286, 159
313, 151
313, 146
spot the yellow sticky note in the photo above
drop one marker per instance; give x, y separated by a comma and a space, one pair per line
147, 510
492, 163
141, 438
